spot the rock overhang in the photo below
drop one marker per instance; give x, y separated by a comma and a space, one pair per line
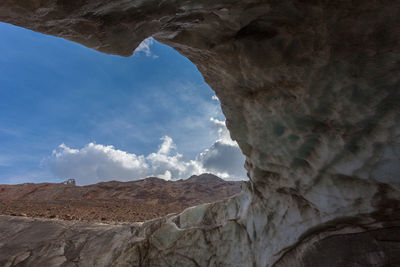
310, 90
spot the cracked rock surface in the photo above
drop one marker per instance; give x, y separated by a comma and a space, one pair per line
310, 90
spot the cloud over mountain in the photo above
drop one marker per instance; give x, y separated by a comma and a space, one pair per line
97, 162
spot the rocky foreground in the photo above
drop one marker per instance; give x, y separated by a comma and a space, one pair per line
113, 201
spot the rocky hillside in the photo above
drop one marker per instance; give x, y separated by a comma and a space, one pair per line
113, 201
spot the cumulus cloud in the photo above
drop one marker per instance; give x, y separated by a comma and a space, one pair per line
95, 162
223, 133
224, 158
145, 48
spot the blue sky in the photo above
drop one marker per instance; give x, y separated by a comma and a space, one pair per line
54, 92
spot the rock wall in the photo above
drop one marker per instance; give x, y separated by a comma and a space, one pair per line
310, 90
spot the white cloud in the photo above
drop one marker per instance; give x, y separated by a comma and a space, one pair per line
95, 162
145, 48
214, 97
224, 158
167, 146
223, 133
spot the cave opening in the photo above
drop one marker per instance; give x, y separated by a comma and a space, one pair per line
76, 116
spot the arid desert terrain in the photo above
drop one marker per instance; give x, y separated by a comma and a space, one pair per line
113, 201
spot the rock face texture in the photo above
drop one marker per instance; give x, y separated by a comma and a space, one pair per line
310, 90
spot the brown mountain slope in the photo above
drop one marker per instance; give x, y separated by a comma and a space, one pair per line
113, 201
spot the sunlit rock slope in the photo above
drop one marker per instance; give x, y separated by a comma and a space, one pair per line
310, 90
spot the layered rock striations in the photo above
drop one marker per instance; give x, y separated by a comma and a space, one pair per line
310, 90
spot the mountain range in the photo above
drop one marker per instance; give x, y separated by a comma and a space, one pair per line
113, 201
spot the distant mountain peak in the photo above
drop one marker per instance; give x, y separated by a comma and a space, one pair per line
205, 178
